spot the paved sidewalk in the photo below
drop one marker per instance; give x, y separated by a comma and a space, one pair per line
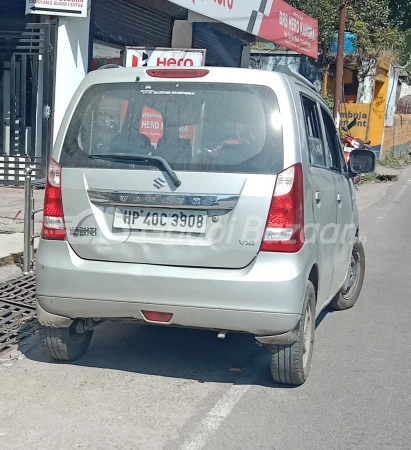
12, 209
11, 247
12, 222
9, 272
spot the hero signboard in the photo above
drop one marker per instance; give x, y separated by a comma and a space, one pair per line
163, 57
273, 20
70, 8
290, 28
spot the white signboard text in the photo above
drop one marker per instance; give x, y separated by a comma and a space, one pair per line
164, 57
71, 8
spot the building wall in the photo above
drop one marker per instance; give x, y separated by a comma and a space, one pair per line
391, 96
405, 90
379, 105
397, 138
71, 64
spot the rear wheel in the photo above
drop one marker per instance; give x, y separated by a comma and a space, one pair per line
351, 290
65, 344
290, 364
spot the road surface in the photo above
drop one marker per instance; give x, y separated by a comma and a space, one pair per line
150, 389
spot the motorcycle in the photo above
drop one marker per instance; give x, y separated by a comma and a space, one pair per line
352, 143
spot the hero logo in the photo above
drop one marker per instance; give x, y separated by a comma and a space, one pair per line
173, 62
166, 62
226, 3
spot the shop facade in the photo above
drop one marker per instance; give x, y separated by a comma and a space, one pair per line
115, 25
54, 48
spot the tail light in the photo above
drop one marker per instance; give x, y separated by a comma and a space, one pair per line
177, 73
154, 316
53, 217
285, 224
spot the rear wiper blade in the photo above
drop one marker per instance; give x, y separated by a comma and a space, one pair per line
131, 159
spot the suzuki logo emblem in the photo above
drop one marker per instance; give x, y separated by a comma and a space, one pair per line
159, 183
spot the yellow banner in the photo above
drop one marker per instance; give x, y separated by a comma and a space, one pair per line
361, 112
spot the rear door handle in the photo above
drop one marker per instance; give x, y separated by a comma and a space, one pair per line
339, 199
318, 197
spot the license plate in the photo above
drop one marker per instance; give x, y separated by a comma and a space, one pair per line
154, 219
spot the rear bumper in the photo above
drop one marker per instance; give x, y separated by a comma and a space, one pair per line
264, 299
259, 324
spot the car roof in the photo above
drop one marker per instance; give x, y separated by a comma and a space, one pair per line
214, 75
281, 77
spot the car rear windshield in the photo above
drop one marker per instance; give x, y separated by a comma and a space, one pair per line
194, 126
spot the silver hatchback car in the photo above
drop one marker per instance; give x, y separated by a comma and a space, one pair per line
211, 198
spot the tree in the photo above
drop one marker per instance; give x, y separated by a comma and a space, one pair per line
380, 27
372, 23
326, 12
378, 24
400, 14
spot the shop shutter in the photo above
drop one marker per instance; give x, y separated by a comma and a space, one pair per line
12, 8
125, 22
222, 50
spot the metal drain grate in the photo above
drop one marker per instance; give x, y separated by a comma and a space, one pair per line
17, 310
21, 290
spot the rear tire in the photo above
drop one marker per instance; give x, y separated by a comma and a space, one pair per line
290, 364
349, 293
65, 344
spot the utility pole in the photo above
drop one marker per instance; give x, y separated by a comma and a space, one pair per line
340, 62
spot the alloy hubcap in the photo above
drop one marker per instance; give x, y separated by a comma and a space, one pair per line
353, 275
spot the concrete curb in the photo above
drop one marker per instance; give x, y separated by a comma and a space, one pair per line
12, 248
13, 258
384, 170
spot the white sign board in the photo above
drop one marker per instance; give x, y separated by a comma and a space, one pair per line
236, 13
163, 57
273, 20
70, 8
